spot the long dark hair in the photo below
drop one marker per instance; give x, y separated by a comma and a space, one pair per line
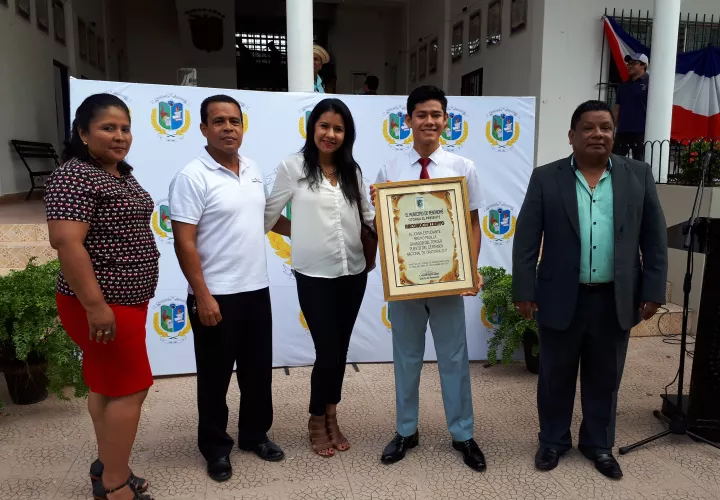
347, 167
86, 113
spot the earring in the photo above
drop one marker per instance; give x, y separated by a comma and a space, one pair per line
84, 143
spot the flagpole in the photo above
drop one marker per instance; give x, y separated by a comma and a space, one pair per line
666, 22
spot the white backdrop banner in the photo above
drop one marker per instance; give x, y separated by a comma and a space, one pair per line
497, 133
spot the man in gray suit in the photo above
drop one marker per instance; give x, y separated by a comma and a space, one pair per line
604, 265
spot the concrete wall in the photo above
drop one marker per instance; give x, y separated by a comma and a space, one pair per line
27, 93
677, 202
511, 68
427, 21
359, 43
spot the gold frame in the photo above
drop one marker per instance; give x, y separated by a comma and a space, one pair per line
463, 225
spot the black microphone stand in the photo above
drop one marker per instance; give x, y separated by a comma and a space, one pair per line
678, 423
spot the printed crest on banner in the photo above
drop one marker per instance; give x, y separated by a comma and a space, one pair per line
494, 320
304, 119
395, 130
170, 117
499, 223
456, 130
170, 320
161, 223
502, 130
279, 243
303, 323
385, 317
122, 97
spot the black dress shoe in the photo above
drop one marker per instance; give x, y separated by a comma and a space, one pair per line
398, 447
472, 455
220, 469
268, 451
607, 465
547, 458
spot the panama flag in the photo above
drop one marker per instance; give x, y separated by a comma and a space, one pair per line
696, 99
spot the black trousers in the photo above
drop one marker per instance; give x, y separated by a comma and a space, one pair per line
595, 343
630, 141
331, 307
244, 336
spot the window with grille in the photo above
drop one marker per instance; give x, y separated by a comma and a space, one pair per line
474, 43
265, 48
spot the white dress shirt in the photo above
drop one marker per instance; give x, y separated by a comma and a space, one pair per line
442, 164
325, 226
228, 212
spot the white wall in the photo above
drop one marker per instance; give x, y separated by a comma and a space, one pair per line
427, 21
507, 67
358, 43
571, 58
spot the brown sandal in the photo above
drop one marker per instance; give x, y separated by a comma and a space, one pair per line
319, 438
339, 441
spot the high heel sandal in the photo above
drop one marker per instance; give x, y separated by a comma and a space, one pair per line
100, 493
339, 441
319, 437
96, 471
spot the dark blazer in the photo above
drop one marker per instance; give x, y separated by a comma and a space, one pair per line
550, 210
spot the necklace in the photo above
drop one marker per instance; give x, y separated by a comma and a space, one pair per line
328, 173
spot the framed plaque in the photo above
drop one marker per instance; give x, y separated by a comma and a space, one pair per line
424, 231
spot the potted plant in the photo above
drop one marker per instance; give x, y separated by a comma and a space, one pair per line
512, 330
690, 163
36, 354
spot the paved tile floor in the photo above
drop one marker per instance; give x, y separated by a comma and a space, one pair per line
46, 449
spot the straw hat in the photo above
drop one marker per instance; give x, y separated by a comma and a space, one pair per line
321, 53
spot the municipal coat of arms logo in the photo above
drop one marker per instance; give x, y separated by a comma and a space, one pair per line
385, 318
456, 130
396, 131
160, 222
304, 119
303, 322
170, 320
502, 130
280, 244
170, 117
499, 222
493, 320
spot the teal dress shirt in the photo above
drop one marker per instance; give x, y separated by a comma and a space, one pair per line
319, 87
597, 230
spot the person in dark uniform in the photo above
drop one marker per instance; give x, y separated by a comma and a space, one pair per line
594, 213
631, 107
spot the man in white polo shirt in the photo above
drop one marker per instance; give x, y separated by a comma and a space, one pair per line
427, 116
217, 206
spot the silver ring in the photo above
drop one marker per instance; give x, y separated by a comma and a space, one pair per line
107, 332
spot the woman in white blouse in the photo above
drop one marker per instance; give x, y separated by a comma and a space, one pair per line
324, 185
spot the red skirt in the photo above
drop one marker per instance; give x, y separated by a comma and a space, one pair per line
120, 367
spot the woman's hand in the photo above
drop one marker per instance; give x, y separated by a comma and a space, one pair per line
102, 323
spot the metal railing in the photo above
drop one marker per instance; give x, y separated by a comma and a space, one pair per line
684, 160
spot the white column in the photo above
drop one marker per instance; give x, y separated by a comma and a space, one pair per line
666, 22
299, 45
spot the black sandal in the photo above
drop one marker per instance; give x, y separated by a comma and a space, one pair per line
96, 471
100, 493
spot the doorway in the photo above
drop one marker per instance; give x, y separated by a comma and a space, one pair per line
472, 83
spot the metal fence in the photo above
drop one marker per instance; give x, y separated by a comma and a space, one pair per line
684, 159
695, 32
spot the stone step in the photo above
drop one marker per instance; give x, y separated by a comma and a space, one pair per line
667, 321
23, 233
17, 255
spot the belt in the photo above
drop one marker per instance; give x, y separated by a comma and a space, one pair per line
597, 286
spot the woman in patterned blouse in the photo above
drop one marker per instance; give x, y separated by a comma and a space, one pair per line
99, 221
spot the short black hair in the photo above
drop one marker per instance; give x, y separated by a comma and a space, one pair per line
424, 94
372, 82
587, 107
216, 98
